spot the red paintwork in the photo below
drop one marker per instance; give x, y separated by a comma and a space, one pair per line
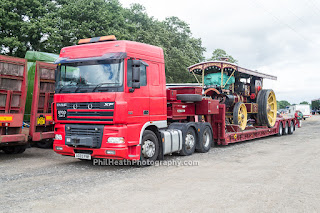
10, 109
43, 91
128, 116
162, 104
207, 107
188, 90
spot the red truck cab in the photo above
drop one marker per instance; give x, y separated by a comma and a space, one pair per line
107, 93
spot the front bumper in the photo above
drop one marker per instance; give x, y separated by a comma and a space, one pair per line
129, 150
120, 153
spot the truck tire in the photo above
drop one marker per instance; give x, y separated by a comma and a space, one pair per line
14, 149
285, 128
44, 144
189, 142
149, 147
189, 97
291, 128
205, 142
280, 133
267, 108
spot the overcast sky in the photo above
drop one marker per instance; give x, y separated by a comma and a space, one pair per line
281, 37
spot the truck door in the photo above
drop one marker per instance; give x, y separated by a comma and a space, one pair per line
138, 100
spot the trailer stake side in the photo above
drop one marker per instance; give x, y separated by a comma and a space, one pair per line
13, 85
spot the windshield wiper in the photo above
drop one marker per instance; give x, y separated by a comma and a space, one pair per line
60, 89
80, 86
99, 85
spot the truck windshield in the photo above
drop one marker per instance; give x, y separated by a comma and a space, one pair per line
89, 76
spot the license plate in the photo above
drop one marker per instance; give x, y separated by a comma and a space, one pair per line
83, 156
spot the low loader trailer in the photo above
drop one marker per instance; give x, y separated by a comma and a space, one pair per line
111, 101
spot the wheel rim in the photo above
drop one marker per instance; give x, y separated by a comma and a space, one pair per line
190, 141
272, 108
206, 139
148, 149
242, 116
280, 129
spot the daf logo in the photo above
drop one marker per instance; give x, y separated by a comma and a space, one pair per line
61, 104
75, 106
89, 106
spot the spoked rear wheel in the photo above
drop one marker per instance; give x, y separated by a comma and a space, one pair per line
267, 108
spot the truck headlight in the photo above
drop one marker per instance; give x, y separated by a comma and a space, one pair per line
115, 140
58, 137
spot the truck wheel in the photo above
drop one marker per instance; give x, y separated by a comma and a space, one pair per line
280, 129
189, 97
291, 128
149, 146
189, 142
240, 115
285, 129
44, 144
14, 149
205, 141
267, 108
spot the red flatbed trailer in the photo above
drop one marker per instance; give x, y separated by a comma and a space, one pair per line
111, 101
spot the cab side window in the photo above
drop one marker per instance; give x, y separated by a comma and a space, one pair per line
143, 74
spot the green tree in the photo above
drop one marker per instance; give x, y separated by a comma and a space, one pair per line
220, 53
49, 25
23, 25
304, 102
181, 49
77, 19
282, 104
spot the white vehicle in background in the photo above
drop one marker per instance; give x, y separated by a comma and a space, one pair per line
304, 108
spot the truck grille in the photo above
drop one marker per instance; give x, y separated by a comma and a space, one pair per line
84, 135
86, 111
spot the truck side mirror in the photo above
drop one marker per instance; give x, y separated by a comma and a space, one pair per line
136, 74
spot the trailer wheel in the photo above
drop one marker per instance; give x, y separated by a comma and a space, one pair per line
240, 115
189, 97
291, 128
149, 146
205, 142
14, 149
280, 129
44, 144
189, 142
267, 108
285, 129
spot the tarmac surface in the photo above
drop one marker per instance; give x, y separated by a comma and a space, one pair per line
273, 174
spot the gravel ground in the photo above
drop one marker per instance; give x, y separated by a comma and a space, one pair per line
274, 174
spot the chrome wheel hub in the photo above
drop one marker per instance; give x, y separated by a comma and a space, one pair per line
206, 139
190, 141
148, 149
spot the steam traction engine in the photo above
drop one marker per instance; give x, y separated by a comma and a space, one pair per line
240, 90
